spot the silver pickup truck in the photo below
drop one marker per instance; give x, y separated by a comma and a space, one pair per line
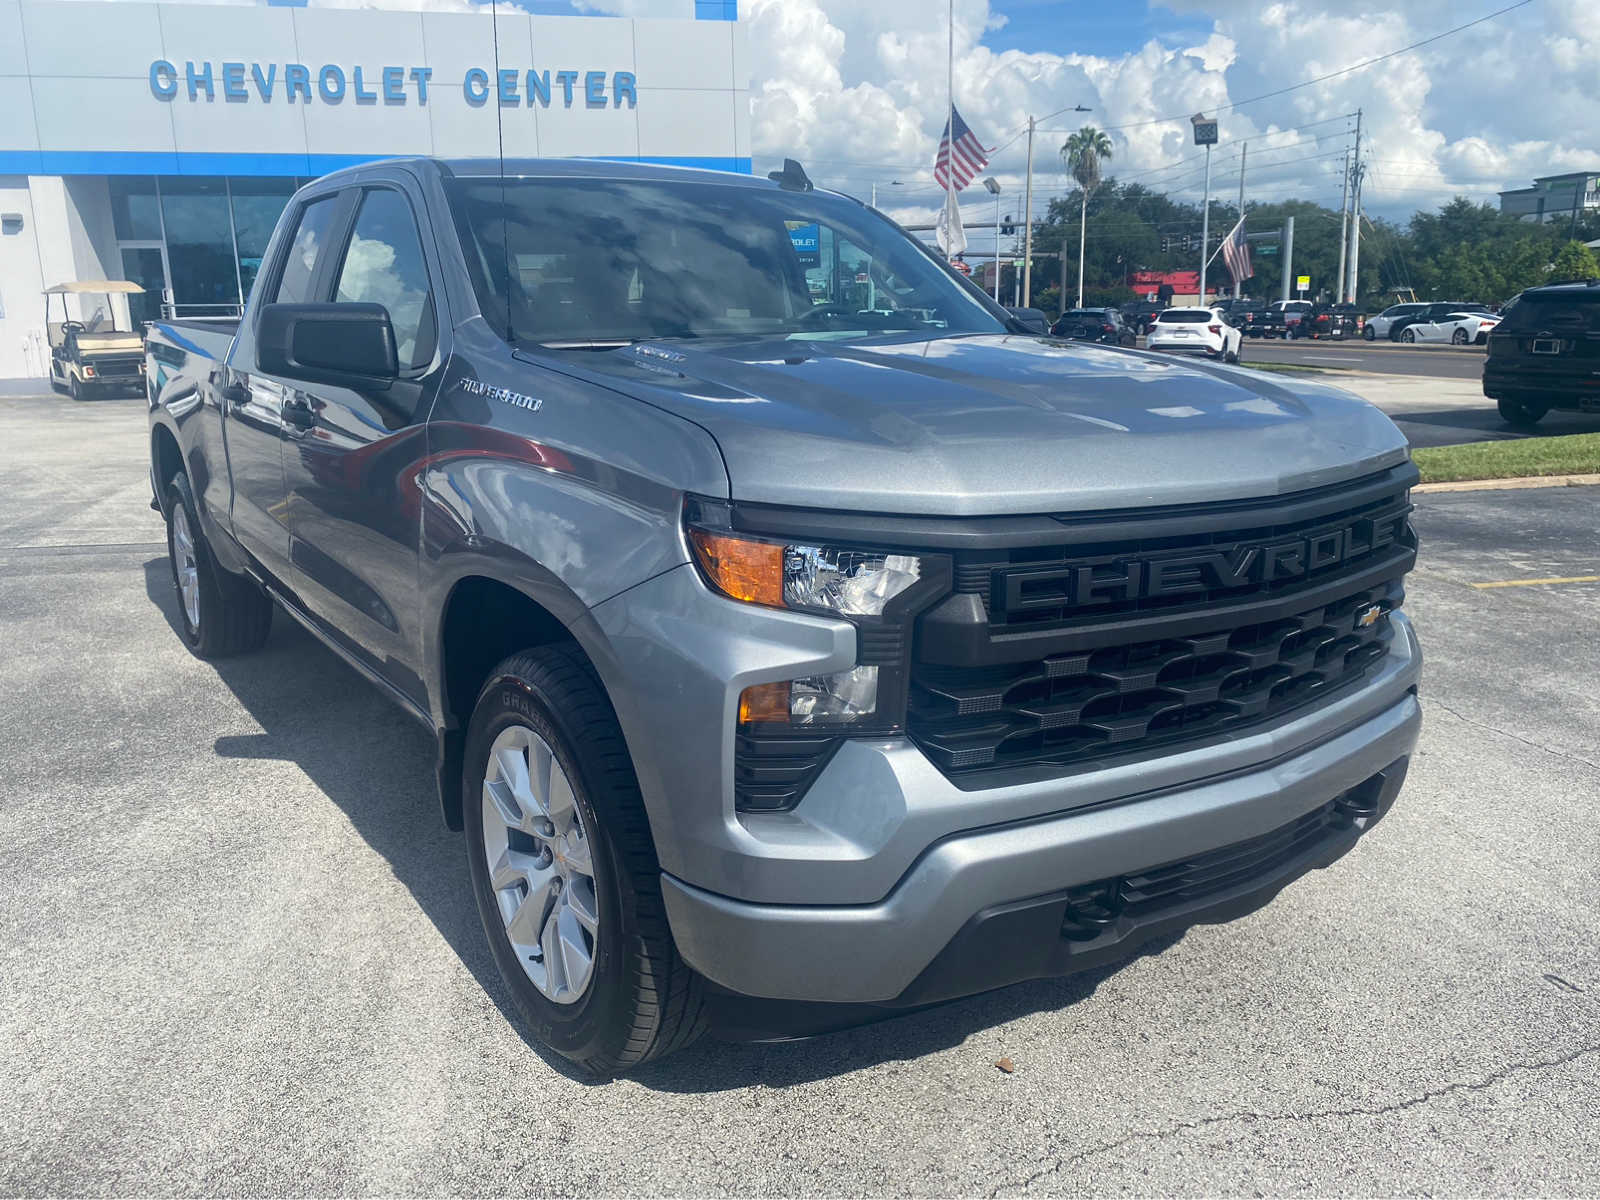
802, 640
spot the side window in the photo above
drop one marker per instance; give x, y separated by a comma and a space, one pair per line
310, 236
384, 265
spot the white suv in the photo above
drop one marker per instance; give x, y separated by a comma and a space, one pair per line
1196, 331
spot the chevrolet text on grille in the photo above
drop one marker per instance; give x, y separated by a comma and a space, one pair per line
1089, 584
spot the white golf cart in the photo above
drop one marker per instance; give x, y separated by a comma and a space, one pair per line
92, 356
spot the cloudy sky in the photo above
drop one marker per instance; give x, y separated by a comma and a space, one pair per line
856, 89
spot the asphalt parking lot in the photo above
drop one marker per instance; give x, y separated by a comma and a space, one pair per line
240, 954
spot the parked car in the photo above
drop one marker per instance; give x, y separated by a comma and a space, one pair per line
1545, 353
1459, 328
1196, 331
1094, 325
1430, 312
1378, 326
781, 658
88, 358
1032, 320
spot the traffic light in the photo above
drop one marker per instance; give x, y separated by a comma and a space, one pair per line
1007, 225
1166, 244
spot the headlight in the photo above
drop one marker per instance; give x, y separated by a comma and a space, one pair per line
879, 591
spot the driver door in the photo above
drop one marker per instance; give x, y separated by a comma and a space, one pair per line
350, 458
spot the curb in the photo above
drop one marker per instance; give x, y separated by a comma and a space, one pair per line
1506, 485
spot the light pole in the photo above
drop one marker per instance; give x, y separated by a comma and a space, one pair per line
993, 186
1205, 134
1027, 207
892, 183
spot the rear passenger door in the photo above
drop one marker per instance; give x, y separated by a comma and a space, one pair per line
351, 465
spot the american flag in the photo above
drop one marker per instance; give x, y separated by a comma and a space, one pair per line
1236, 254
955, 167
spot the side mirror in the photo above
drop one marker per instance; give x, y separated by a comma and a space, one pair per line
348, 345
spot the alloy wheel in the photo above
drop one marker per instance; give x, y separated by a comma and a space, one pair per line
541, 868
187, 568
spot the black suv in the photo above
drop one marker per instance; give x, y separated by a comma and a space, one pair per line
1141, 314
1094, 325
1546, 353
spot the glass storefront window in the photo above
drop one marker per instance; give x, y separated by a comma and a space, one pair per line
133, 208
257, 205
199, 240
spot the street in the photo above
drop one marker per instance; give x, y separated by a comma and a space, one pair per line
241, 954
1382, 358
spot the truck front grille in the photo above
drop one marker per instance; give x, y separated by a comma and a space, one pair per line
1159, 629
1071, 708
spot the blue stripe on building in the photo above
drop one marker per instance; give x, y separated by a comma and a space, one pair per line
160, 162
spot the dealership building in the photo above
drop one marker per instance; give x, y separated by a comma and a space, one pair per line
158, 143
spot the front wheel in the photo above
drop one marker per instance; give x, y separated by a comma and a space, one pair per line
1520, 413
565, 872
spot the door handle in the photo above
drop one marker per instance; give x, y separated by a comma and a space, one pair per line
298, 415
233, 396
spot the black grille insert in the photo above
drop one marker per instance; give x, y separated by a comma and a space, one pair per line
1072, 708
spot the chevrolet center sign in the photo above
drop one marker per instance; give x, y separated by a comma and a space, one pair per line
239, 81
259, 90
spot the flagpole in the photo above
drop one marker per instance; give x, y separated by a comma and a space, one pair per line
1244, 148
950, 115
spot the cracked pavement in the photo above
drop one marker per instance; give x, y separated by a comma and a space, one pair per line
239, 954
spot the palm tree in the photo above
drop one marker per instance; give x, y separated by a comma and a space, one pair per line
1083, 153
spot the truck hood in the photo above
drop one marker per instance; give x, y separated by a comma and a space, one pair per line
995, 424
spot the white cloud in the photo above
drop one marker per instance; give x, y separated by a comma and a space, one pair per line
856, 90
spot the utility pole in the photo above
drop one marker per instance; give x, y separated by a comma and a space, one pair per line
1288, 256
1355, 228
1344, 228
1244, 148
1349, 293
1027, 226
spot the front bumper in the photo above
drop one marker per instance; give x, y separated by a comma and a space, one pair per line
986, 908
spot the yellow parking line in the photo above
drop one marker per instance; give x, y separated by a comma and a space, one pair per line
1534, 582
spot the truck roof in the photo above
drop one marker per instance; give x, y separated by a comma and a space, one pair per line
566, 168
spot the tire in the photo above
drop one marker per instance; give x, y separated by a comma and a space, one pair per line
1408, 337
1459, 337
1370, 334
1231, 356
639, 1000
1520, 414
76, 389
224, 614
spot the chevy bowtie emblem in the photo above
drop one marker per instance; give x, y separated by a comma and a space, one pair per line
1368, 616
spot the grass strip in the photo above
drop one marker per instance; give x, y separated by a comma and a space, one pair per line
1572, 454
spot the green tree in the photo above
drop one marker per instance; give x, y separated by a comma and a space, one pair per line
1083, 153
1574, 260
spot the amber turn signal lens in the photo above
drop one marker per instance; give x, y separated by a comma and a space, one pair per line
764, 702
745, 570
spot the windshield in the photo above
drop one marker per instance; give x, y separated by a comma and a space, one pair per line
597, 261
